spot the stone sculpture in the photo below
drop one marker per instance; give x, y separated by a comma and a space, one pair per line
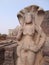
28, 43
30, 37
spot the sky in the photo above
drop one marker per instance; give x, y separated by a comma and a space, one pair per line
10, 8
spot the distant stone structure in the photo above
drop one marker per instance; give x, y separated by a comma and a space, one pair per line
28, 43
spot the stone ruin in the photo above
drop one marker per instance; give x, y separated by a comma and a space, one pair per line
27, 44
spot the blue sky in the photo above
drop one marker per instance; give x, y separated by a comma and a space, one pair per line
10, 8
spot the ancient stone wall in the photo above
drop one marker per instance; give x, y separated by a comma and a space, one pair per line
8, 53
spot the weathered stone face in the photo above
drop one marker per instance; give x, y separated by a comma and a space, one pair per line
28, 18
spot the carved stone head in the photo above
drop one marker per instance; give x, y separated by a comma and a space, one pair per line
28, 18
35, 10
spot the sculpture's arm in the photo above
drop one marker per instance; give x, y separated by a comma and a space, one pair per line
36, 48
41, 42
42, 39
40, 33
37, 29
19, 33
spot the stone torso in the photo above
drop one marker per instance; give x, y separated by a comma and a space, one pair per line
28, 29
28, 32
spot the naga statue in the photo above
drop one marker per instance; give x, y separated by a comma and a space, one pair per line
30, 36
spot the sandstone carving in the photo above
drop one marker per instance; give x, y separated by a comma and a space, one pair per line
31, 37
